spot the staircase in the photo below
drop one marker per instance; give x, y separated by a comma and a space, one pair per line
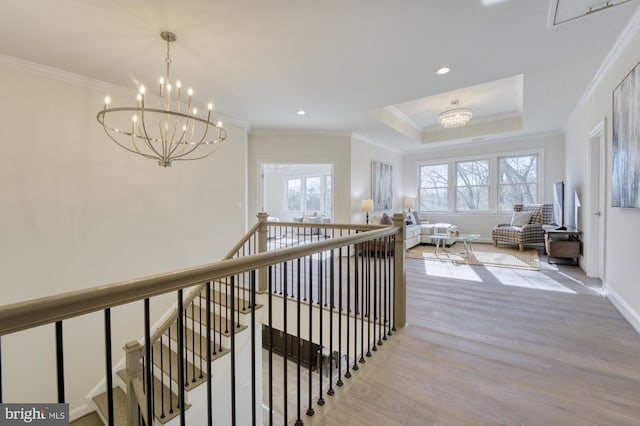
165, 358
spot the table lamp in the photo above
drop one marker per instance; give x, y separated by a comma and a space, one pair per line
366, 206
409, 203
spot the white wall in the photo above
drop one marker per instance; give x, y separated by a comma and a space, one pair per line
622, 225
78, 211
362, 154
552, 161
303, 148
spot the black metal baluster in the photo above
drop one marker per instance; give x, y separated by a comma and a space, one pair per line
320, 288
299, 351
347, 373
331, 306
170, 374
244, 289
147, 350
162, 415
392, 293
200, 328
219, 326
368, 290
153, 382
227, 307
193, 341
252, 287
310, 411
285, 349
378, 253
386, 287
356, 304
363, 297
108, 363
270, 313
208, 337
60, 361
233, 354
339, 382
181, 358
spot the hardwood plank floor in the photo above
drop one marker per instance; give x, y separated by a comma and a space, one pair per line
495, 346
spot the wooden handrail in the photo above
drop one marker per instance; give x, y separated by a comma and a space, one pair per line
23, 315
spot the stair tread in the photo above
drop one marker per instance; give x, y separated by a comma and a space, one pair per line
119, 406
169, 397
170, 359
91, 419
220, 324
200, 344
220, 298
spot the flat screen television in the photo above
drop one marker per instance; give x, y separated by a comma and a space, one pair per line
558, 204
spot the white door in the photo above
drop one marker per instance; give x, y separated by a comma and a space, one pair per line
597, 208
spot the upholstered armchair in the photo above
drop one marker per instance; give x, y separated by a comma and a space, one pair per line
525, 227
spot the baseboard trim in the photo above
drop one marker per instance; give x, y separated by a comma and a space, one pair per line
623, 307
79, 411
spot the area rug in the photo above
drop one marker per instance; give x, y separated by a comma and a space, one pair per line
482, 255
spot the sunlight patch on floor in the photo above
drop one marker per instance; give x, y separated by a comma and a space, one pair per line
450, 270
528, 279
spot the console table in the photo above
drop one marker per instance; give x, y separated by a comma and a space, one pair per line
559, 243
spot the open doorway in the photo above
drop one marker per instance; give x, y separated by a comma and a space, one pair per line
293, 191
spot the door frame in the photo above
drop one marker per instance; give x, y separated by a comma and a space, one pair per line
596, 211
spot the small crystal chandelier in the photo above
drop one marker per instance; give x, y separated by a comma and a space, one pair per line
455, 116
171, 131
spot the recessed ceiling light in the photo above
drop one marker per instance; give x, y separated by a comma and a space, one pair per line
300, 112
443, 71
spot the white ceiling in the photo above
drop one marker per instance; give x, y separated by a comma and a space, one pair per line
261, 61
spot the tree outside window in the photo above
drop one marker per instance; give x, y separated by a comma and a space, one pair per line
472, 185
313, 194
434, 187
517, 181
294, 194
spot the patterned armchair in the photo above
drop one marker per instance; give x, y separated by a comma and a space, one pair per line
530, 233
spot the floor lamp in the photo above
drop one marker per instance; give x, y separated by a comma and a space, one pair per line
366, 206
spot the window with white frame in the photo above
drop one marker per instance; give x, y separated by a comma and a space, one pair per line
310, 193
517, 181
472, 186
492, 183
434, 187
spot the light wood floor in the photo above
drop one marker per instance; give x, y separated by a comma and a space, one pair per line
495, 346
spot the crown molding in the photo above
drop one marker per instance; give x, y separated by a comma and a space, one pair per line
40, 70
446, 145
293, 132
622, 42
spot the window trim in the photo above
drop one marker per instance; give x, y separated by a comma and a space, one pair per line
493, 178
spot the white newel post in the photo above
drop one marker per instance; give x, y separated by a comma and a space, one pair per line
262, 247
400, 279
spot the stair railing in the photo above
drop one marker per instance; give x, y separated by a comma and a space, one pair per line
231, 275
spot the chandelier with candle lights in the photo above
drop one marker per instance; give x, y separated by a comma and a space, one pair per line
165, 127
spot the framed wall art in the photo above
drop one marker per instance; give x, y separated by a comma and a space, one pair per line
625, 179
381, 186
